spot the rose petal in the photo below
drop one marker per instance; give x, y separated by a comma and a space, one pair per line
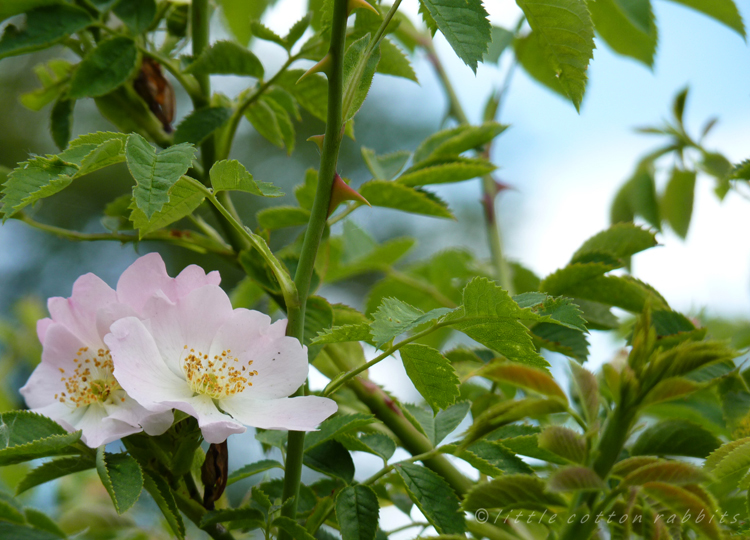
78, 313
98, 429
303, 413
139, 367
191, 278
41, 328
280, 361
215, 425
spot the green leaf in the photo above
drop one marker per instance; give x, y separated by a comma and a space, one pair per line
451, 171
297, 531
266, 34
243, 517
669, 389
677, 202
724, 11
682, 501
272, 121
395, 317
53, 470
501, 40
15, 7
432, 374
586, 387
628, 26
386, 166
452, 142
331, 458
620, 241
512, 491
155, 174
671, 472
729, 461
104, 69
226, 58
42, 522
464, 25
357, 512
344, 333
566, 33
200, 124
237, 15
509, 411
11, 511
25, 435
335, 426
637, 197
434, 497
297, 30
575, 478
164, 499
400, 197
564, 442
499, 457
359, 70
374, 443
231, 175
524, 377
54, 76
184, 198
137, 14
675, 437
122, 478
532, 57
35, 179
552, 337
279, 217
394, 62
45, 26
61, 122
448, 420
14, 531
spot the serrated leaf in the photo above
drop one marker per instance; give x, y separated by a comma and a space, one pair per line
501, 40
279, 217
385, 166
400, 197
297, 531
677, 202
628, 465
531, 55
637, 197
378, 444
240, 517
104, 69
628, 27
184, 198
35, 179
575, 478
724, 11
335, 426
465, 26
297, 30
500, 457
45, 26
524, 377
449, 172
507, 412
432, 374
155, 174
42, 522
670, 472
261, 31
434, 497
395, 317
566, 33
231, 175
675, 437
683, 501
122, 478
456, 141
564, 442
394, 62
52, 470
358, 72
446, 421
226, 58
357, 512
11, 512
237, 14
587, 388
619, 241
729, 461
341, 334
331, 458
54, 76
164, 499
137, 14
571, 343
200, 124
25, 435
512, 491
669, 389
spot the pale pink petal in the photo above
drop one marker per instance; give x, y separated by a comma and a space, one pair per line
63, 413
215, 425
279, 363
78, 313
158, 423
131, 412
188, 326
303, 413
98, 429
109, 314
41, 328
142, 279
191, 278
139, 367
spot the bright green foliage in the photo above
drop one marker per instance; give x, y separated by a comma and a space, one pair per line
54, 76
238, 13
61, 122
335, 426
227, 58
35, 179
198, 125
628, 26
347, 332
566, 34
675, 438
263, 32
407, 199
431, 373
394, 62
184, 198
464, 24
501, 40
395, 317
386, 166
455, 141
25, 436
620, 241
278, 217
677, 202
54, 469
106, 68
531, 55
564, 442
272, 121
155, 174
576, 478
137, 14
164, 499
359, 69
437, 427
45, 26
242, 517
357, 511
451, 171
528, 378
297, 531
231, 175
373, 443
681, 501
517, 490
434, 497
122, 477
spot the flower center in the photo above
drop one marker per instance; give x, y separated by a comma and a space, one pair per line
217, 377
92, 380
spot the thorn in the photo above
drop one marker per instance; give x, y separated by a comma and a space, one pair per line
357, 4
340, 192
321, 67
317, 139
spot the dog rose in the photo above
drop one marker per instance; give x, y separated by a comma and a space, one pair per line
74, 384
226, 367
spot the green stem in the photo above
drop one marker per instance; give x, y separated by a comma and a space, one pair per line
199, 20
195, 512
313, 234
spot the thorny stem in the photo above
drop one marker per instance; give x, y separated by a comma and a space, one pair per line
313, 235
